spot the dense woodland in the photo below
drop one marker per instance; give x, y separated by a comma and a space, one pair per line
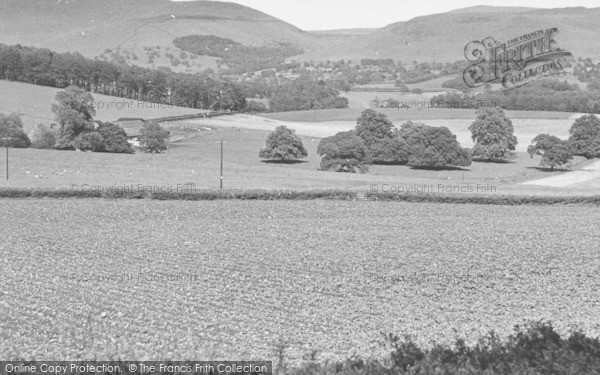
237, 57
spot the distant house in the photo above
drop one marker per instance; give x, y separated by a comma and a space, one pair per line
133, 128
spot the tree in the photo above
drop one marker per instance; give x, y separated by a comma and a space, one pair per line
344, 152
254, 106
554, 151
492, 131
153, 138
390, 151
88, 141
584, 136
11, 126
43, 137
74, 112
433, 147
401, 86
376, 131
373, 127
283, 144
114, 138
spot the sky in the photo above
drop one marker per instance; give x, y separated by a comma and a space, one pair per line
345, 14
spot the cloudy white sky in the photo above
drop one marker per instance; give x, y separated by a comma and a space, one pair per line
340, 14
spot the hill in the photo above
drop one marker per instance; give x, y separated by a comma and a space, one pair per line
92, 27
142, 31
442, 37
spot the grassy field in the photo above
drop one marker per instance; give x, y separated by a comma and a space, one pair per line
34, 103
195, 159
150, 279
525, 128
404, 114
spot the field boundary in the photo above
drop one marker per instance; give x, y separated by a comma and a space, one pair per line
194, 116
343, 195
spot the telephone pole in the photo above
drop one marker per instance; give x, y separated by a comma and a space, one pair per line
6, 145
221, 179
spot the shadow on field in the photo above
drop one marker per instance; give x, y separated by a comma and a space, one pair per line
283, 161
548, 170
493, 161
440, 169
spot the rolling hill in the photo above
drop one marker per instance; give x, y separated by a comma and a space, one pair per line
442, 37
91, 27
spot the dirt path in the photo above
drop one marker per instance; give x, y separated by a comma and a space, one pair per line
590, 176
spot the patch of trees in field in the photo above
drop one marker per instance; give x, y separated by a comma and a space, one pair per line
76, 129
237, 57
304, 93
540, 95
375, 140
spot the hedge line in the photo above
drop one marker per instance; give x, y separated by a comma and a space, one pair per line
344, 195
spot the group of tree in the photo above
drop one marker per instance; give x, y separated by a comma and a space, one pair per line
12, 133
60, 70
542, 95
374, 140
584, 140
236, 57
76, 129
304, 93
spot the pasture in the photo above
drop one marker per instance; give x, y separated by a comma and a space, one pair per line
149, 279
194, 160
325, 124
34, 103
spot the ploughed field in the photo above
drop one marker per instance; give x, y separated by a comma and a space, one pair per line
229, 279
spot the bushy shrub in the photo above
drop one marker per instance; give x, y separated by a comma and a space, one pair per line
11, 126
43, 137
534, 349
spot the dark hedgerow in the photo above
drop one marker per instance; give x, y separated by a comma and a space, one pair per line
535, 348
345, 195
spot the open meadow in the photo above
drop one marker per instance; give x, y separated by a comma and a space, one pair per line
34, 104
193, 162
150, 279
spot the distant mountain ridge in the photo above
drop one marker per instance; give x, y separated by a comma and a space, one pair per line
91, 27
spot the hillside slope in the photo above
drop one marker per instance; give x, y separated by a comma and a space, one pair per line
91, 27
443, 36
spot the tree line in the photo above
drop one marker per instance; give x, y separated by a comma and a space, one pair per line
541, 95
375, 140
46, 68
